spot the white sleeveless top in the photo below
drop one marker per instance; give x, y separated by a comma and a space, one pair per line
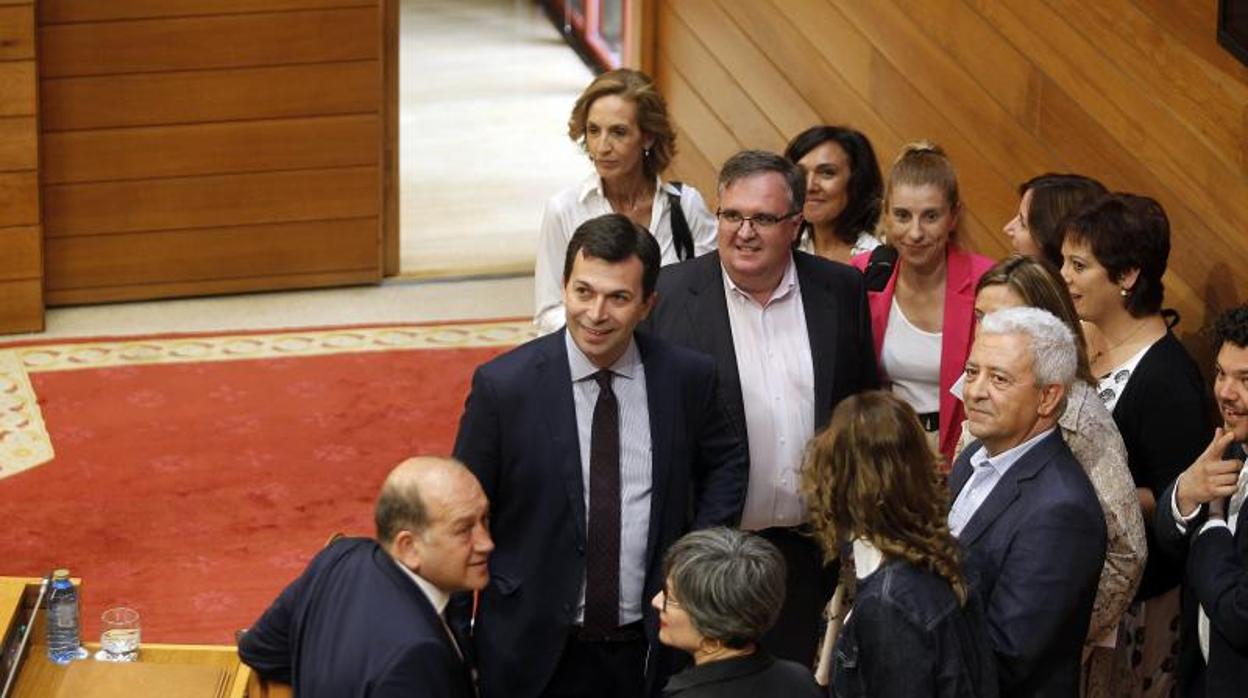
910, 358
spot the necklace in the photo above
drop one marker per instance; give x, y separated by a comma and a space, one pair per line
633, 204
1110, 351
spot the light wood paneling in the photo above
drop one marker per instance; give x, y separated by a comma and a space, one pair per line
199, 202
62, 11
17, 32
22, 305
17, 88
1134, 92
207, 96
209, 146
21, 253
199, 149
203, 43
19, 143
19, 198
212, 254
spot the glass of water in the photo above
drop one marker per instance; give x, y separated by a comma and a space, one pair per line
120, 640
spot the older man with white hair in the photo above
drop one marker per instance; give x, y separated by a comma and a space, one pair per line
1022, 505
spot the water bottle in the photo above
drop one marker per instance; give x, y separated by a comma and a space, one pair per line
64, 645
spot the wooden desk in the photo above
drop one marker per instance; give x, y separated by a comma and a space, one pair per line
40, 678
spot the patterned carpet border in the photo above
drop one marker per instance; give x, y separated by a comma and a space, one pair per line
24, 441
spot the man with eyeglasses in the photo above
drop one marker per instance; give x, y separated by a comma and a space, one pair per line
791, 335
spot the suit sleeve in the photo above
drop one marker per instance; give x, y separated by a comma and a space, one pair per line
266, 646
423, 671
1172, 540
478, 445
1219, 578
1053, 562
721, 467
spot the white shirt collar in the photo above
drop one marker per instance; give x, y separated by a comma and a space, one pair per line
788, 283
1004, 460
592, 186
582, 368
436, 596
867, 558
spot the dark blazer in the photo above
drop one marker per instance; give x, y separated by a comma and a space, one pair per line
692, 311
752, 676
353, 624
1037, 545
518, 435
1217, 578
1165, 420
909, 636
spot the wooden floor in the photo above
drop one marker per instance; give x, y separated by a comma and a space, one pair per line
485, 91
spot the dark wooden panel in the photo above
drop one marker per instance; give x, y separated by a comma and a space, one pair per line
57, 11
19, 143
17, 32
205, 96
198, 202
17, 88
200, 149
213, 254
178, 289
21, 306
19, 198
21, 252
200, 43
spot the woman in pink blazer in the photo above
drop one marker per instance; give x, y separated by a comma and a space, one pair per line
923, 317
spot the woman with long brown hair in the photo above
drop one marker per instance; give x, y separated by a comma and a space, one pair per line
916, 627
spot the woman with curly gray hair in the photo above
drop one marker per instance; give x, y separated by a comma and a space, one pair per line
724, 590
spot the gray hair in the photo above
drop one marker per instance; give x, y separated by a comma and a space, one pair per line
731, 583
748, 163
1053, 354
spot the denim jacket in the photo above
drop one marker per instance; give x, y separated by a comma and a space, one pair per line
907, 636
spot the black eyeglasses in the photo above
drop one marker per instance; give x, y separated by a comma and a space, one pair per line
667, 601
733, 220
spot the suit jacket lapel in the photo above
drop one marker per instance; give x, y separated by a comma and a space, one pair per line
661, 404
1009, 487
961, 471
555, 384
819, 307
708, 312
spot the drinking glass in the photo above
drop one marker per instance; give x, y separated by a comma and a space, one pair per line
119, 641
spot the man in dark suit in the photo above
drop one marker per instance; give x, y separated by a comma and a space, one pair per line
365, 617
791, 335
1203, 511
598, 447
1023, 507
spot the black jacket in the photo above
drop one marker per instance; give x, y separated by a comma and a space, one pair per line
756, 675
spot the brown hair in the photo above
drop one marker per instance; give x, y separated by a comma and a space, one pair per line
872, 475
922, 163
652, 119
1053, 198
1125, 232
1040, 287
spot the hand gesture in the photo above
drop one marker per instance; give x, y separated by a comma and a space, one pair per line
1210, 477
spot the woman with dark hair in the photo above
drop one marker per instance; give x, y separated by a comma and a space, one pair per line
621, 123
1115, 252
916, 627
1089, 430
843, 191
1044, 202
921, 313
724, 590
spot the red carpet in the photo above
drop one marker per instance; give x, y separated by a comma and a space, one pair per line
195, 491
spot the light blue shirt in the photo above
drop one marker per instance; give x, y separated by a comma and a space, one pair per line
628, 382
988, 471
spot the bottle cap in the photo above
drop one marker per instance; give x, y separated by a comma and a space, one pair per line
61, 574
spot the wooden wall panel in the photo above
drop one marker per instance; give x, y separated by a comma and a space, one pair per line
209, 146
1134, 92
21, 253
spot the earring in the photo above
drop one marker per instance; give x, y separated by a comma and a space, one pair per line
1122, 292
645, 152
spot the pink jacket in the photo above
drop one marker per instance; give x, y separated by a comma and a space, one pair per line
962, 273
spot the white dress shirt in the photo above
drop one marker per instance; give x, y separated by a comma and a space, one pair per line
628, 382
575, 205
1232, 519
988, 471
778, 391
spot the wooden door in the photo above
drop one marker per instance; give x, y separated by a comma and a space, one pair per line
195, 147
